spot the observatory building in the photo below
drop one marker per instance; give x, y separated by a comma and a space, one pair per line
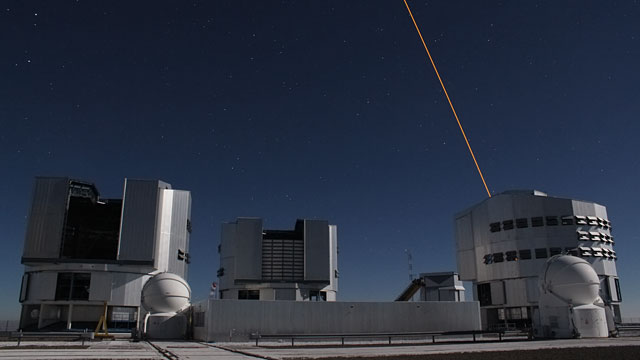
83, 252
504, 242
258, 264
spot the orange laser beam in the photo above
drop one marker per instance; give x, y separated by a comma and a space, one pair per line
448, 99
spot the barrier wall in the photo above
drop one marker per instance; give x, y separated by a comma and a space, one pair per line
236, 320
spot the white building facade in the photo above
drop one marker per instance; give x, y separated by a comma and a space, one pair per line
503, 242
83, 252
259, 264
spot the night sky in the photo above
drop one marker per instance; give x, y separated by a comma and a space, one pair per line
327, 110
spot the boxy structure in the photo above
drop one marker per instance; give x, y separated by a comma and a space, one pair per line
259, 264
83, 252
503, 243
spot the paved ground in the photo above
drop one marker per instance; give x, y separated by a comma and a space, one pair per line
583, 349
117, 349
281, 351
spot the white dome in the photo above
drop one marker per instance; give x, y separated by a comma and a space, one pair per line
165, 293
570, 278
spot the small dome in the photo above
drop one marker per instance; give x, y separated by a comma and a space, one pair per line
165, 293
570, 278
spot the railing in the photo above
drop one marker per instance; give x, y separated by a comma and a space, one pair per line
388, 336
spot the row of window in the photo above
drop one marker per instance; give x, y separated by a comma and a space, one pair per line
550, 221
594, 236
543, 253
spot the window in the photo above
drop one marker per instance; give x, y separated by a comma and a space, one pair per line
498, 257
494, 227
73, 286
541, 253
618, 289
536, 221
525, 254
571, 251
581, 220
315, 295
592, 220
596, 251
522, 223
595, 236
567, 220
198, 319
488, 259
189, 226
555, 251
484, 294
248, 294
512, 256
507, 224
552, 220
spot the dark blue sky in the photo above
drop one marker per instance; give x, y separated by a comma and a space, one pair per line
324, 109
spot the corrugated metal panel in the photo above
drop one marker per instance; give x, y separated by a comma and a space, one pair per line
127, 288
138, 226
248, 249
316, 250
46, 218
180, 214
100, 288
42, 286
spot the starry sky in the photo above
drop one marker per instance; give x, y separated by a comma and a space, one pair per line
327, 110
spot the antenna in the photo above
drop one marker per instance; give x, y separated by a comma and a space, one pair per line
410, 263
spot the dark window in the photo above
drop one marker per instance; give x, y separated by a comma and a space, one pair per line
92, 226
618, 289
73, 286
512, 256
571, 251
555, 251
488, 259
248, 294
525, 254
537, 221
552, 220
507, 224
522, 223
484, 294
494, 227
315, 295
198, 318
567, 220
541, 253
498, 257
189, 228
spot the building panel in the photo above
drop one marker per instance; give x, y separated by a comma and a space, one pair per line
316, 250
100, 286
46, 219
248, 249
42, 286
180, 232
139, 227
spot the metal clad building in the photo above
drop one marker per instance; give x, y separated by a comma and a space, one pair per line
503, 242
83, 252
260, 264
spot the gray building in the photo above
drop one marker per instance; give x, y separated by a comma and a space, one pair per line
503, 242
83, 252
259, 264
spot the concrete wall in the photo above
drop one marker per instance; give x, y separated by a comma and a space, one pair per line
240, 318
